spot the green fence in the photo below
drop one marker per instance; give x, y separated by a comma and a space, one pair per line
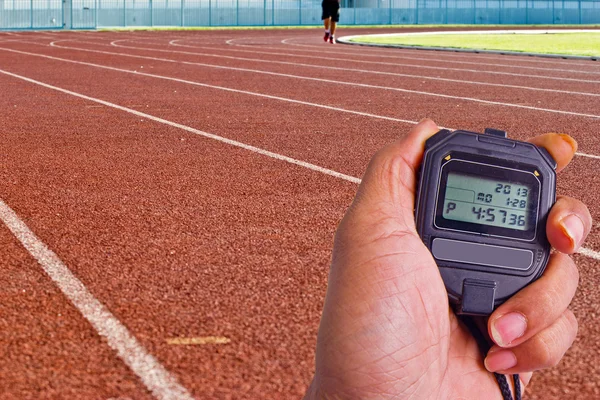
91, 14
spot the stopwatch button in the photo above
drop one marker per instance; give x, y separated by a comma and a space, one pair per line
478, 297
548, 157
435, 139
495, 132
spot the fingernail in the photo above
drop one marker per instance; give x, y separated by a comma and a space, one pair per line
508, 328
570, 141
572, 226
500, 360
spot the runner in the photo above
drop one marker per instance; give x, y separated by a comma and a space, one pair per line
331, 16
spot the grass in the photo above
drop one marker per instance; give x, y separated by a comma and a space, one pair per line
581, 44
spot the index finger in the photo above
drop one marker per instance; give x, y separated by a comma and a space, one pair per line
561, 147
395, 166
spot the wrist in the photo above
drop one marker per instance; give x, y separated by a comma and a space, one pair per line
311, 392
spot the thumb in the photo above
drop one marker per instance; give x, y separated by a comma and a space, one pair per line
389, 183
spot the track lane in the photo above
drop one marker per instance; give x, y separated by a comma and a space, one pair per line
416, 107
185, 248
48, 349
580, 106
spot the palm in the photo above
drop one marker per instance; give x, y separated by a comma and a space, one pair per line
399, 316
387, 330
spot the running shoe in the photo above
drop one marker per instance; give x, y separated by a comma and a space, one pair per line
326, 37
331, 39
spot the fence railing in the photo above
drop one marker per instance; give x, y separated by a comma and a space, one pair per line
91, 14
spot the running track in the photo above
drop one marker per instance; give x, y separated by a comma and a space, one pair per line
158, 187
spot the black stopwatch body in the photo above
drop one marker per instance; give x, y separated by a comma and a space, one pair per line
481, 209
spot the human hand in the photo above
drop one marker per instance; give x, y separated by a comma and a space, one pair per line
387, 330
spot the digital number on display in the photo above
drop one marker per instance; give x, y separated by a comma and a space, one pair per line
486, 201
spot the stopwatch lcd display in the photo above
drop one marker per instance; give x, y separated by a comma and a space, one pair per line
480, 198
486, 201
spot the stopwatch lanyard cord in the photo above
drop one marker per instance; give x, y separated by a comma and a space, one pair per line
484, 347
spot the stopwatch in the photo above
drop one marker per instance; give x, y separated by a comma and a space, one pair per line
481, 209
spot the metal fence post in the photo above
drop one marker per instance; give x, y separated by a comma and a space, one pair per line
272, 12
31, 13
95, 14
124, 13
416, 12
579, 7
151, 13
299, 12
390, 9
446, 13
237, 12
354, 4
500, 12
182, 8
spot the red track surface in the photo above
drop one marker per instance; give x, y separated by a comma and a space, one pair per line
179, 235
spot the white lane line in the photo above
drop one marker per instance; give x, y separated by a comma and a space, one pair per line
157, 379
221, 139
575, 71
23, 40
431, 67
115, 43
310, 78
194, 131
364, 114
588, 155
267, 96
420, 66
589, 253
